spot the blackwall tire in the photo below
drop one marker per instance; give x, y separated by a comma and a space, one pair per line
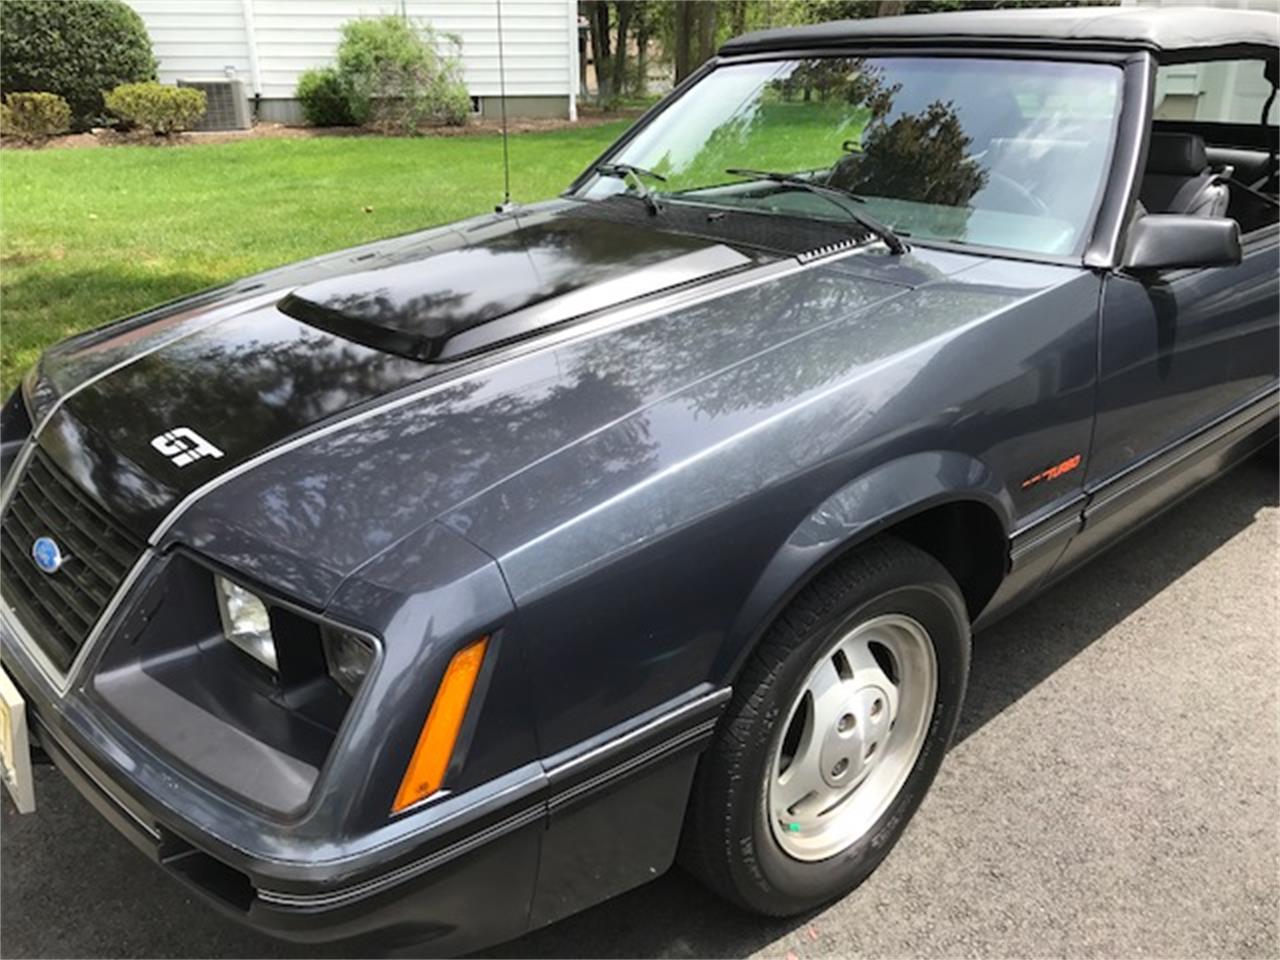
798, 706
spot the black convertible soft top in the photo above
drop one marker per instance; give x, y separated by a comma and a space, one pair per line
1175, 33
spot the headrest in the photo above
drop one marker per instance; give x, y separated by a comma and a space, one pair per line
1177, 154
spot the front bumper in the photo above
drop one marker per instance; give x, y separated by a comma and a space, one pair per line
477, 868
459, 887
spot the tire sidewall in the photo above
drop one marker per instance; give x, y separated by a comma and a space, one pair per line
781, 883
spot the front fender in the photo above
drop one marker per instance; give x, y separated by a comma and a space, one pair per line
851, 515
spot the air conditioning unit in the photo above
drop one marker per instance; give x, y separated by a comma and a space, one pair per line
227, 106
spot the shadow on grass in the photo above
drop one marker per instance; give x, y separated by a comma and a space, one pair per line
38, 285
45, 303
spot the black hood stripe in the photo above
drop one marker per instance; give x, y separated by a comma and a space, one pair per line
58, 401
610, 321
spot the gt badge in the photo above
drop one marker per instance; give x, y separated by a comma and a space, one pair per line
1052, 473
183, 445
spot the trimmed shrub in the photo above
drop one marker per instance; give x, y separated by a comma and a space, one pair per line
34, 116
323, 96
155, 107
397, 76
74, 48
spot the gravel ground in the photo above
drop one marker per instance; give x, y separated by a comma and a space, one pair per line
1114, 792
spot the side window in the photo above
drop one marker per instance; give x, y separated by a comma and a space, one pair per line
1222, 91
1219, 102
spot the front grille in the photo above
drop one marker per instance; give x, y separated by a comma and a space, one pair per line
60, 609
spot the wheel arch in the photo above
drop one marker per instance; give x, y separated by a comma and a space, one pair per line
946, 503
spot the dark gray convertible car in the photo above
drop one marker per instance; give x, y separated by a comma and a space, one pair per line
439, 588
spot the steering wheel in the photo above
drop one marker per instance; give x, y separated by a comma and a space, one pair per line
1004, 193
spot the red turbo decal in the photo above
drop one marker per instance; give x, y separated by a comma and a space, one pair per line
1054, 472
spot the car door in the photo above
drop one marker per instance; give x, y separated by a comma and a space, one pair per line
1188, 357
1187, 385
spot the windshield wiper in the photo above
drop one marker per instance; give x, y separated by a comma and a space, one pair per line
837, 196
625, 171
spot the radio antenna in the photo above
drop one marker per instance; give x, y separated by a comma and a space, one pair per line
502, 100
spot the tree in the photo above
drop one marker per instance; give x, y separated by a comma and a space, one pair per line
695, 35
644, 24
618, 81
922, 157
610, 32
74, 48
597, 14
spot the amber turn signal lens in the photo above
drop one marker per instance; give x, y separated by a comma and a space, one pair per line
440, 733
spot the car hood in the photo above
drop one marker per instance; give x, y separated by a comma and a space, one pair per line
529, 272
250, 366
331, 447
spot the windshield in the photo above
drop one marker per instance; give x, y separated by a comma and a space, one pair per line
996, 152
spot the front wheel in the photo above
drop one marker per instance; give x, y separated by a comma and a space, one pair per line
837, 727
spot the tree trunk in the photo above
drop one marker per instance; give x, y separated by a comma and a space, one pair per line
695, 35
604, 73
890, 8
706, 30
685, 26
597, 12
625, 10
581, 41
642, 56
599, 52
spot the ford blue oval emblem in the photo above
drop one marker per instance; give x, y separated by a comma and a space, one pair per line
47, 554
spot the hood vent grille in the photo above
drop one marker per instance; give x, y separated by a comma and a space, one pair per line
831, 249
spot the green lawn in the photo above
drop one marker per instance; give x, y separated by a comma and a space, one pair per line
88, 235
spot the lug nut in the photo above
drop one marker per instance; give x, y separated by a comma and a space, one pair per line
846, 723
877, 707
841, 766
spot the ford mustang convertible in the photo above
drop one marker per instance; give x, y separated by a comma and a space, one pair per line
433, 590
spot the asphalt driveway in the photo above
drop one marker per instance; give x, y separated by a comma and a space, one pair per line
1115, 791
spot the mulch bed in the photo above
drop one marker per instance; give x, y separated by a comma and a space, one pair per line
280, 131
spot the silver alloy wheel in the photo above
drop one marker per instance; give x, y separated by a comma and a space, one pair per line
852, 736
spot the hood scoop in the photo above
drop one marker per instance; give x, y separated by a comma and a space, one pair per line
518, 280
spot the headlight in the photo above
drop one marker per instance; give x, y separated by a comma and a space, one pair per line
246, 623
347, 657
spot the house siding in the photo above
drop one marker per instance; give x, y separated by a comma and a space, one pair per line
1224, 91
196, 40
289, 36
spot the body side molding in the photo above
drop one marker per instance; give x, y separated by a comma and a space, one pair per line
1119, 490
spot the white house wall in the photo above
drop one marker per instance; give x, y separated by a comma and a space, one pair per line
1216, 92
203, 38
196, 39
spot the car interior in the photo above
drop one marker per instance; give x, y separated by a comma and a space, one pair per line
1217, 167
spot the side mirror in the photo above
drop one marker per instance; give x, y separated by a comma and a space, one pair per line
1166, 241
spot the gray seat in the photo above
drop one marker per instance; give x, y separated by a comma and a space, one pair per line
1179, 179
